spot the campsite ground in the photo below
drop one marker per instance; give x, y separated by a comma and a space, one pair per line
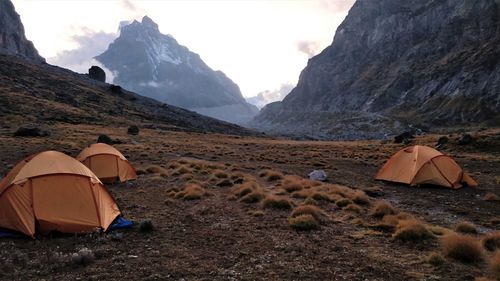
219, 237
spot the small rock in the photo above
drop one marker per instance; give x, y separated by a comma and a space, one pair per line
105, 139
31, 132
133, 130
146, 226
405, 138
318, 175
84, 257
442, 141
115, 89
466, 139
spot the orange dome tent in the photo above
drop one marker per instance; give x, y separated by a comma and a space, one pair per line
107, 163
417, 164
52, 191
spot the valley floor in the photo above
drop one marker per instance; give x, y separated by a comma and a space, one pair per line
220, 237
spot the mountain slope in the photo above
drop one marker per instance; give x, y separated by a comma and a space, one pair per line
41, 93
155, 65
392, 63
12, 38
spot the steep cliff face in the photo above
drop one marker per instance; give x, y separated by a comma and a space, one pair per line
12, 38
156, 66
393, 63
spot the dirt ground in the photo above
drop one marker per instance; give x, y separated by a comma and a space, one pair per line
220, 237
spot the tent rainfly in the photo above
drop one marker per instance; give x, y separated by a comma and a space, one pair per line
107, 163
51, 191
416, 165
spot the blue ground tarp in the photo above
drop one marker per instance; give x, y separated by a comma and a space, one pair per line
120, 223
5, 233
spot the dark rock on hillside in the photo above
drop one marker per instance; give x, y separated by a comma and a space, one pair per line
12, 37
395, 63
133, 130
405, 137
466, 139
31, 131
155, 65
105, 139
97, 73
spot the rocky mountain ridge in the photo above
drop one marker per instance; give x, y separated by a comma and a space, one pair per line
13, 41
155, 65
394, 64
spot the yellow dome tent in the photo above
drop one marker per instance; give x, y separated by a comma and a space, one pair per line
52, 191
417, 165
107, 163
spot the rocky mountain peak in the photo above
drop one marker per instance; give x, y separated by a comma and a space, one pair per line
395, 64
156, 65
12, 37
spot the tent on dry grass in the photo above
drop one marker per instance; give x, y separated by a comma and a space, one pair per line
107, 163
51, 191
416, 165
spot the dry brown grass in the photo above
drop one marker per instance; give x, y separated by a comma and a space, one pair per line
359, 197
155, 169
253, 197
466, 228
495, 265
439, 230
343, 202
435, 259
312, 210
191, 192
462, 247
491, 241
277, 202
220, 174
245, 188
304, 193
491, 197
303, 222
388, 223
412, 230
353, 208
382, 208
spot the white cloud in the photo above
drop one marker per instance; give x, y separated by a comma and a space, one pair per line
80, 59
268, 96
310, 48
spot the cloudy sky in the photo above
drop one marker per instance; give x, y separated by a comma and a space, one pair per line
260, 44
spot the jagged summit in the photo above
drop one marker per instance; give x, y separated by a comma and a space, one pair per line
156, 65
13, 40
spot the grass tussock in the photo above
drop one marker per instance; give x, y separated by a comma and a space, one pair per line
191, 192
271, 175
462, 248
321, 196
220, 174
253, 197
491, 241
304, 193
276, 202
439, 230
435, 259
388, 223
343, 202
412, 231
353, 208
495, 265
491, 197
466, 228
303, 222
359, 197
292, 183
382, 208
312, 210
155, 169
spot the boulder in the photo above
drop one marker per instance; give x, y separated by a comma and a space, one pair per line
105, 139
31, 132
318, 175
442, 141
466, 139
115, 89
96, 73
133, 130
405, 138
